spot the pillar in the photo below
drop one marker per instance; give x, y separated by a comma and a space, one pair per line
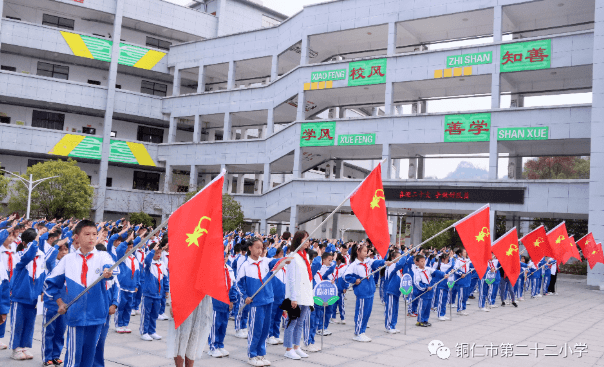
391, 39
393, 233
211, 134
516, 101
231, 75
201, 79
493, 155
304, 50
257, 184
267, 178
389, 95
176, 83
421, 167
341, 112
497, 23
418, 107
243, 134
293, 219
331, 113
168, 177
297, 170
275, 68
397, 168
334, 225
270, 122
493, 219
108, 119
301, 112
339, 165
172, 129
229, 183
409, 223
418, 222
194, 173
386, 166
220, 11
280, 229
263, 228
197, 129
226, 135
225, 186
207, 178
515, 168
240, 183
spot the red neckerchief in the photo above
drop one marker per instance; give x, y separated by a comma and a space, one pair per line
35, 267
366, 269
319, 274
259, 272
132, 258
491, 264
465, 269
84, 269
426, 275
302, 253
228, 278
10, 264
158, 277
338, 270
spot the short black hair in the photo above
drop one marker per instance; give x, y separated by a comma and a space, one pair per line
83, 224
286, 235
419, 257
28, 236
326, 255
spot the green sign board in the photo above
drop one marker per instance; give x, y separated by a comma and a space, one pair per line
323, 76
356, 139
533, 55
523, 133
318, 134
90, 148
367, 72
470, 59
467, 127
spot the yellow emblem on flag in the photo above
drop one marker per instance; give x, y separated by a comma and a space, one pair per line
482, 234
375, 202
513, 247
594, 252
560, 239
538, 242
194, 237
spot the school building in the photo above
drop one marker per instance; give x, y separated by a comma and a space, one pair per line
289, 107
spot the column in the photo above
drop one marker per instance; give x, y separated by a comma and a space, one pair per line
211, 134
226, 135
421, 167
388, 163
409, 223
497, 22
243, 134
339, 165
341, 112
172, 129
176, 83
197, 129
266, 185
108, 119
275, 68
334, 225
389, 95
493, 155
231, 75
220, 11
391, 38
193, 178
207, 178
515, 168
201, 79
168, 177
280, 229
263, 228
397, 168
229, 182
257, 184
225, 186
393, 234
495, 91
304, 50
293, 219
493, 219
412, 168
240, 183
418, 223
270, 122
301, 113
331, 113
297, 170
516, 101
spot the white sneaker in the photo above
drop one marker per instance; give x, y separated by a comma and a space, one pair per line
468, 303
326, 332
138, 312
155, 336
264, 360
163, 317
146, 337
300, 352
343, 322
225, 353
215, 353
3, 346
255, 362
119, 330
391, 331
280, 340
18, 355
313, 348
272, 341
126, 330
521, 299
443, 318
27, 353
539, 295
462, 313
368, 326
365, 337
133, 313
241, 334
397, 331
484, 309
292, 355
494, 305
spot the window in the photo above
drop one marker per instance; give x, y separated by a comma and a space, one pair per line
118, 86
157, 43
48, 120
8, 68
145, 181
58, 22
114, 134
109, 182
33, 162
53, 70
155, 89
269, 22
98, 35
90, 180
94, 82
182, 188
89, 130
4, 120
150, 135
13, 18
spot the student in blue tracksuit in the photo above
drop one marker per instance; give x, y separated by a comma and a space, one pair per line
495, 286
235, 310
129, 280
53, 336
112, 299
340, 305
309, 329
392, 276
279, 295
7, 262
547, 270
86, 317
324, 273
486, 290
535, 277
519, 286
155, 288
251, 275
138, 296
4, 298
25, 287
474, 281
220, 318
462, 281
243, 311
424, 279
443, 292
359, 274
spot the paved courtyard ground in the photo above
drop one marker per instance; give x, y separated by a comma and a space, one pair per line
575, 316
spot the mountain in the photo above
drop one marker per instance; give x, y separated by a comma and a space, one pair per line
468, 171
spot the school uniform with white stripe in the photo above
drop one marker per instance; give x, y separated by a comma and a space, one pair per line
364, 291
155, 288
443, 292
221, 318
53, 336
112, 299
129, 280
393, 277
422, 280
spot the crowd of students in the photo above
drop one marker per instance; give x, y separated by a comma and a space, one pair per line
56, 260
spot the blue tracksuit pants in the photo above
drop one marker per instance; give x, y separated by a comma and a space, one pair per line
423, 308
53, 336
124, 309
276, 314
473, 285
23, 319
546, 279
484, 292
138, 297
339, 305
442, 298
320, 310
259, 323
391, 311
461, 294
519, 287
81, 345
493, 292
535, 286
149, 313
362, 311
309, 328
99, 355
243, 313
218, 332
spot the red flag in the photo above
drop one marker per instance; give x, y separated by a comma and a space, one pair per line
571, 251
475, 233
586, 243
506, 250
536, 244
197, 252
558, 241
369, 205
595, 255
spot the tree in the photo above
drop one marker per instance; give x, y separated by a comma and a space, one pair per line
4, 181
430, 227
142, 217
68, 195
557, 168
232, 214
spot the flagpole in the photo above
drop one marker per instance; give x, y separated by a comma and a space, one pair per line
127, 254
313, 232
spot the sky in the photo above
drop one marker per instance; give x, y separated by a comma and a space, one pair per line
287, 7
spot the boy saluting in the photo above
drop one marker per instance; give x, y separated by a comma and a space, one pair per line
85, 318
